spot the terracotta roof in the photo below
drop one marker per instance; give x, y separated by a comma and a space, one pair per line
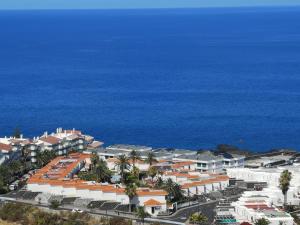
73, 131
176, 174
5, 147
216, 179
112, 160
149, 192
182, 164
152, 202
50, 139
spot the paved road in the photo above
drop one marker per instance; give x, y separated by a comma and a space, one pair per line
207, 209
183, 215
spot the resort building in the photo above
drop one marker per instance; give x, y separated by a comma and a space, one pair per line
271, 177
59, 178
208, 161
140, 164
62, 141
255, 205
11, 148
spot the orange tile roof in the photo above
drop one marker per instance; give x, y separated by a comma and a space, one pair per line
54, 175
182, 164
5, 147
50, 139
73, 131
152, 202
149, 192
207, 181
177, 174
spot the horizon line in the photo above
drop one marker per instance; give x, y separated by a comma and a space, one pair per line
151, 8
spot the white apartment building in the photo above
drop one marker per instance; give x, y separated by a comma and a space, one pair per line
209, 162
58, 178
254, 205
271, 177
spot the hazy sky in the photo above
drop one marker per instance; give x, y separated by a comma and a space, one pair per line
94, 4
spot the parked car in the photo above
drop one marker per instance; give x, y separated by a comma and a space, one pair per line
77, 210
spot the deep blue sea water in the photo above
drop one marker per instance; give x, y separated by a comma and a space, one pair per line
186, 78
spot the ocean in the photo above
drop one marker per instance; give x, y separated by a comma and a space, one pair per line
182, 78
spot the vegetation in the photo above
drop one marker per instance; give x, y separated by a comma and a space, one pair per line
175, 193
262, 221
115, 221
44, 157
159, 183
99, 171
152, 172
141, 213
284, 183
123, 165
9, 173
17, 133
133, 177
54, 204
198, 218
130, 191
22, 214
134, 156
150, 158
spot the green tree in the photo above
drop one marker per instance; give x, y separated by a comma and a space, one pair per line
130, 191
262, 221
54, 204
150, 158
152, 172
6, 174
175, 193
102, 171
123, 164
198, 218
159, 183
94, 160
134, 156
141, 213
44, 157
284, 184
16, 167
17, 133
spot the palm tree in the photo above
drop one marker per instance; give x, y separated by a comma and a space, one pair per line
159, 183
284, 183
130, 191
102, 171
150, 158
152, 172
141, 213
135, 172
198, 218
134, 156
175, 193
262, 221
94, 160
16, 167
123, 164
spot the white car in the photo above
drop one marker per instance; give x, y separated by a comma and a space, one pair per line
77, 211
